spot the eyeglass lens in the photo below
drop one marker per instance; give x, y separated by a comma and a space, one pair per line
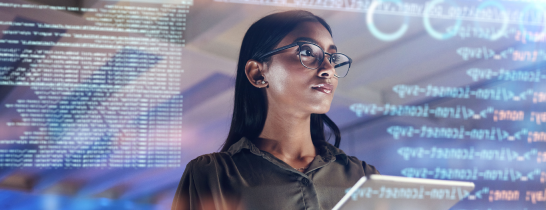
311, 56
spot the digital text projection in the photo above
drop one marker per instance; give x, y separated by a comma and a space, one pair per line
106, 87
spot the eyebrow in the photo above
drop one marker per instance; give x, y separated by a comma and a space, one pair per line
331, 47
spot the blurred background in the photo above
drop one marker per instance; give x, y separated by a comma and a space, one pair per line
103, 103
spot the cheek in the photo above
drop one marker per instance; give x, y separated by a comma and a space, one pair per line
287, 75
281, 81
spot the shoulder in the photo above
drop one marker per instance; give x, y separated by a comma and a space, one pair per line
208, 163
368, 169
210, 159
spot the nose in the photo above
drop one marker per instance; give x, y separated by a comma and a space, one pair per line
327, 69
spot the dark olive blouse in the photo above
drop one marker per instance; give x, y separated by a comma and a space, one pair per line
245, 177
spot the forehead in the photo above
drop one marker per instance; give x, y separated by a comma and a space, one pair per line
313, 30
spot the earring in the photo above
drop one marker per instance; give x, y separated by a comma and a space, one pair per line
258, 82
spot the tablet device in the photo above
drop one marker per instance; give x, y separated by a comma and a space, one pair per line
381, 192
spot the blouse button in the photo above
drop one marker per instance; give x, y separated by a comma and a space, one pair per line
305, 181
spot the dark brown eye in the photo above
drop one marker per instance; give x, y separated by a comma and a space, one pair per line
306, 51
335, 58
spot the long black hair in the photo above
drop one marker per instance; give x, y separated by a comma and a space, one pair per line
250, 108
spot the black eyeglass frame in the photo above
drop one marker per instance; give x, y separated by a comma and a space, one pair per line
299, 44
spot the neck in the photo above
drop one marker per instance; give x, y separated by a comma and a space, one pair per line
287, 136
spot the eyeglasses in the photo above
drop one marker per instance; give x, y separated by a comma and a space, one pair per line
312, 55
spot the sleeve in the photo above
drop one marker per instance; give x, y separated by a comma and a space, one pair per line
369, 169
186, 197
201, 186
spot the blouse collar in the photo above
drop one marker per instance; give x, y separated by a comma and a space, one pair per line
327, 151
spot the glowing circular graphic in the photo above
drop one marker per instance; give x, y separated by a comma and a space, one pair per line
527, 8
504, 17
376, 32
428, 27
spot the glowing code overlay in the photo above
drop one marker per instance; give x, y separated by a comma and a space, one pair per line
107, 86
383, 192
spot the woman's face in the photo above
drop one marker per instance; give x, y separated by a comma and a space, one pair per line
295, 88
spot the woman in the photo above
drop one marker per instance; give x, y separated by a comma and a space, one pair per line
276, 155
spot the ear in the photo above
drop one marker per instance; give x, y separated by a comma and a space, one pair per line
253, 71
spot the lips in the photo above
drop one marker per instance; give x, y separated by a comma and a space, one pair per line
323, 87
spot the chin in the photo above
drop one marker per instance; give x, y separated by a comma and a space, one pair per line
321, 109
